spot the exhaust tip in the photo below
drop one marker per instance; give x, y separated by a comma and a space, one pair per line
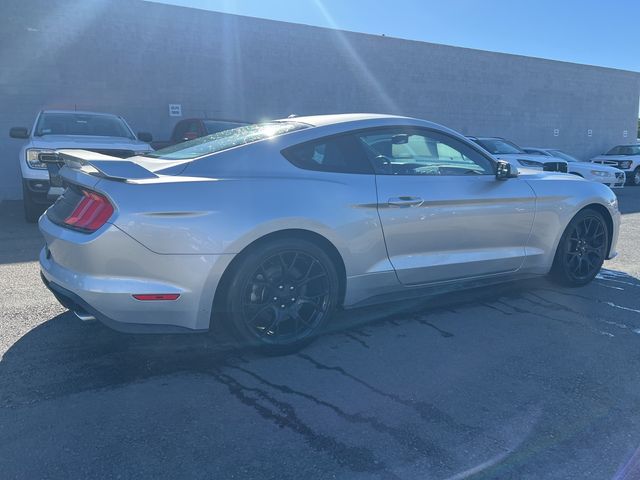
84, 316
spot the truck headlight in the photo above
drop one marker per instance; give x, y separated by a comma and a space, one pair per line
599, 173
32, 157
625, 164
530, 163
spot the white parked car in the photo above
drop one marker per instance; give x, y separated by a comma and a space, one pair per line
624, 157
505, 150
55, 129
610, 176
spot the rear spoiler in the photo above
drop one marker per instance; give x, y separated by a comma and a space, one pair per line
101, 165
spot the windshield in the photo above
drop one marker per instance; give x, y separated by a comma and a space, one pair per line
564, 156
71, 123
225, 140
624, 150
499, 146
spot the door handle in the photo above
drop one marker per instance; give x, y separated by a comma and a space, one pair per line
405, 201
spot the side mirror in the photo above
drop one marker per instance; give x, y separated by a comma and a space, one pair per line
505, 170
145, 137
19, 132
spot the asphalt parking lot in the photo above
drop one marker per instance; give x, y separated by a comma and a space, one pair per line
523, 381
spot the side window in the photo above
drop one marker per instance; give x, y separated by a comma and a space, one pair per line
403, 151
342, 154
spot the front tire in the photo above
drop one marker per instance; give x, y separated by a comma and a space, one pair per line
582, 249
635, 177
281, 295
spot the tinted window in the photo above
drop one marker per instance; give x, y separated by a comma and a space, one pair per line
225, 140
343, 154
186, 129
534, 152
410, 152
564, 156
624, 150
498, 146
81, 124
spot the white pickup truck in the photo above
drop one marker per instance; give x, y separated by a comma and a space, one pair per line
624, 157
55, 129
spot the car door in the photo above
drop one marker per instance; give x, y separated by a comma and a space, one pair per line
444, 214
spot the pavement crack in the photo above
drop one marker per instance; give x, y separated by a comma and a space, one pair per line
402, 436
356, 339
357, 459
425, 410
443, 333
535, 314
493, 307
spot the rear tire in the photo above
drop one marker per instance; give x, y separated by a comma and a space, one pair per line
582, 249
635, 177
281, 295
32, 210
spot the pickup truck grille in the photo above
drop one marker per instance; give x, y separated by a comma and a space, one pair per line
555, 167
612, 163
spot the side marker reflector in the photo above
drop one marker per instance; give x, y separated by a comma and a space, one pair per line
156, 296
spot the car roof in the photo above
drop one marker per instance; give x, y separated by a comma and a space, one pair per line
81, 112
322, 120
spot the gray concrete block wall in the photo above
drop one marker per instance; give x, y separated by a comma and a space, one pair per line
134, 58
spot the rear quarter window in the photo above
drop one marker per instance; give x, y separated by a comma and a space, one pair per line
339, 154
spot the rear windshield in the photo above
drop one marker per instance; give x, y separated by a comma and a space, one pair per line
215, 126
624, 150
82, 124
226, 139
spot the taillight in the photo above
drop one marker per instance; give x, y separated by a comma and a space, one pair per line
90, 213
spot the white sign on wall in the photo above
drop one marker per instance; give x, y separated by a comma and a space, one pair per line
556, 132
175, 110
589, 133
625, 133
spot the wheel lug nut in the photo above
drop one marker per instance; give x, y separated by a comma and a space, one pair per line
282, 306
275, 298
293, 299
291, 288
280, 287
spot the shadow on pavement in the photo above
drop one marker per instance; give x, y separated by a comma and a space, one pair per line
628, 199
498, 382
19, 241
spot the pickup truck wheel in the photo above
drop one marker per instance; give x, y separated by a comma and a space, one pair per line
582, 249
32, 210
635, 177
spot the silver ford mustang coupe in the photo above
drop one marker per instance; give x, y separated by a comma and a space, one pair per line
271, 227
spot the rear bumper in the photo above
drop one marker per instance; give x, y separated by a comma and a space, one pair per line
83, 310
98, 274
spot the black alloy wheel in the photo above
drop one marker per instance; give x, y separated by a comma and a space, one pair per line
582, 249
282, 295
